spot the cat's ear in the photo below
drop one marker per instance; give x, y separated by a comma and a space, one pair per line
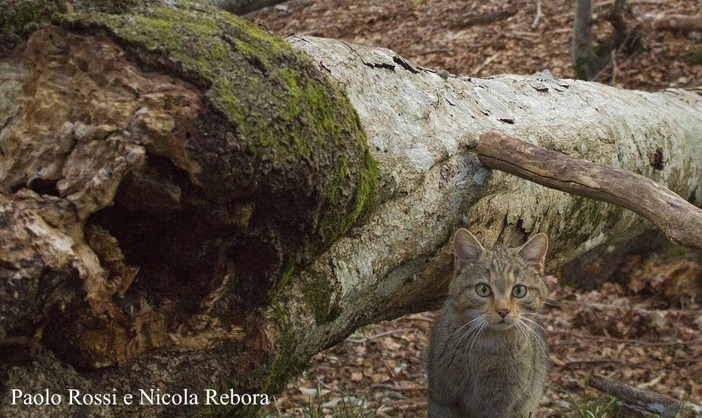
534, 251
466, 248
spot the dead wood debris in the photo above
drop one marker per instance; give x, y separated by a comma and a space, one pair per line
680, 220
470, 19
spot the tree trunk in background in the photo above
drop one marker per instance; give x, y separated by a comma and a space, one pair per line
584, 59
190, 203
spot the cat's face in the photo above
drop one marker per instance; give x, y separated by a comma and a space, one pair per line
498, 289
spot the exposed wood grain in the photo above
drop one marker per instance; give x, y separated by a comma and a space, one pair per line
680, 220
643, 401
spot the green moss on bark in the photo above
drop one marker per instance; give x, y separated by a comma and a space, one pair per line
283, 112
319, 297
18, 14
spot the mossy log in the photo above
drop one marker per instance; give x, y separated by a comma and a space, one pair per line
190, 203
164, 171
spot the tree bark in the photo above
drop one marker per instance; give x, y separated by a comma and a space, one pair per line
189, 203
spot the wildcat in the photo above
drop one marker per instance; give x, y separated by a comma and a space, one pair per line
488, 356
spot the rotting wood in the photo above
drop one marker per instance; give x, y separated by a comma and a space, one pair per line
644, 402
680, 220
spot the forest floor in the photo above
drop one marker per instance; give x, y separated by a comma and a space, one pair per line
644, 327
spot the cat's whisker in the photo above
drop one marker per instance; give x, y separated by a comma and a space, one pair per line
474, 326
521, 326
527, 327
472, 321
531, 325
461, 327
533, 331
529, 330
473, 329
483, 325
533, 322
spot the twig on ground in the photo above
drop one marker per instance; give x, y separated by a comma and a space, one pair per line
487, 61
538, 15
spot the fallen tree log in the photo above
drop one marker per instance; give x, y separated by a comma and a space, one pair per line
468, 19
241, 7
675, 23
189, 203
636, 402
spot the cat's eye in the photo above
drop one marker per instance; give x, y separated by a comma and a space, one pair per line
483, 290
519, 291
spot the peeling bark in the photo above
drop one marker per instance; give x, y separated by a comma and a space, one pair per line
190, 203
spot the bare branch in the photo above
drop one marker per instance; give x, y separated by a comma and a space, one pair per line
678, 219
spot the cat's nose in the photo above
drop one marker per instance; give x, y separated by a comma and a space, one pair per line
503, 312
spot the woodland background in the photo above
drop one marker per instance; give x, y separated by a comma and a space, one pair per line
629, 313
